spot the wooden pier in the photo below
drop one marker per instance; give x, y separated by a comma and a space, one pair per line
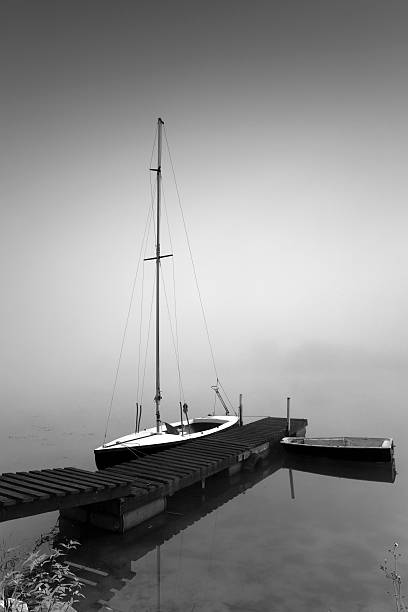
119, 497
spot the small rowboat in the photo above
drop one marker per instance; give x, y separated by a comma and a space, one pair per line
357, 449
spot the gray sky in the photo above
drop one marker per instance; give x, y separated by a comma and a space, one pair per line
287, 126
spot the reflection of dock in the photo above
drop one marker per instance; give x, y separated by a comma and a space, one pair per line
357, 470
113, 584
183, 510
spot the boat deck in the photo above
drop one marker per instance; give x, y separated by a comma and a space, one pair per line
37, 491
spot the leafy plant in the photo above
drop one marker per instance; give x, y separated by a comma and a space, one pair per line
38, 581
392, 574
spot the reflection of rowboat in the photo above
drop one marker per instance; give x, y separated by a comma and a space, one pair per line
357, 449
357, 470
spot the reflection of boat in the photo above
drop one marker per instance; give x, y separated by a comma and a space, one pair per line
163, 435
357, 470
360, 449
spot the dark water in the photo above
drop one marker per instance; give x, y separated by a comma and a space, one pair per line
243, 544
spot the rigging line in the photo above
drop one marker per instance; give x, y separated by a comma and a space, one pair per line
152, 198
181, 389
140, 336
153, 186
147, 341
141, 307
228, 399
124, 333
154, 146
174, 289
191, 257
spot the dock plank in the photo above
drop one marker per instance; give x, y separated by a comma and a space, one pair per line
30, 477
106, 481
69, 481
54, 480
116, 479
188, 467
11, 494
91, 479
78, 479
26, 490
163, 468
152, 475
145, 482
32, 483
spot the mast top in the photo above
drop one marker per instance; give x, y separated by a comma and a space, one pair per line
160, 120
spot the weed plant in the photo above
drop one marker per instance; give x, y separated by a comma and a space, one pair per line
38, 581
390, 569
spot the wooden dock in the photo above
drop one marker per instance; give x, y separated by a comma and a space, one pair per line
106, 497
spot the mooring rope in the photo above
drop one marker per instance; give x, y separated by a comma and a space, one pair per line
139, 454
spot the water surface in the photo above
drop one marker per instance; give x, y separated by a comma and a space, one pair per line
244, 544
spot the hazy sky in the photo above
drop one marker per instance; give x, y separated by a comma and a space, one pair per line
287, 123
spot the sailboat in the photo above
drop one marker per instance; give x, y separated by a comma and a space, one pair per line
163, 435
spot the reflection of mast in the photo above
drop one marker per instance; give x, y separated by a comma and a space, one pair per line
158, 576
183, 510
292, 487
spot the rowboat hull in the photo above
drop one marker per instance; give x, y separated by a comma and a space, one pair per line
149, 442
347, 448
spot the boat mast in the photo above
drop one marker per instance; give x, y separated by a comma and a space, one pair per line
157, 398
158, 257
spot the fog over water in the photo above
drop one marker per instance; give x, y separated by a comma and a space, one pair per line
287, 129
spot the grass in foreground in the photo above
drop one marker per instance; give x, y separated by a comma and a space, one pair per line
390, 569
38, 581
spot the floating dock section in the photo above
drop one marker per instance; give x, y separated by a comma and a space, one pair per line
120, 497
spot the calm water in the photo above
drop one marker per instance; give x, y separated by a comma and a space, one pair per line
243, 545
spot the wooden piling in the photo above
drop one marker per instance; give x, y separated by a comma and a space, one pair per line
288, 415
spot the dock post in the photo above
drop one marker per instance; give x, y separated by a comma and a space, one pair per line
288, 415
240, 410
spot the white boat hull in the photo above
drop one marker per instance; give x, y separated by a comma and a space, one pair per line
149, 441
